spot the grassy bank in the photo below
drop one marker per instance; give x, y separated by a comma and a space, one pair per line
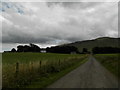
110, 61
22, 69
51, 78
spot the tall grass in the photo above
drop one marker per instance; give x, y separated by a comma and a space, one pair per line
20, 69
110, 61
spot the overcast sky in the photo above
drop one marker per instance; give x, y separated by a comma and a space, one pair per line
54, 23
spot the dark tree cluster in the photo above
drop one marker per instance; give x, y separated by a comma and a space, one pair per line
85, 50
26, 48
62, 49
13, 50
105, 50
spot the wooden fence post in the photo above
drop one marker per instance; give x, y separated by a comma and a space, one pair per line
17, 69
40, 64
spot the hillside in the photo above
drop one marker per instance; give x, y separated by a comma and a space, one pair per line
99, 42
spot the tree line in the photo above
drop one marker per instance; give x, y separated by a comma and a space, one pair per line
62, 49
27, 48
105, 50
35, 48
65, 49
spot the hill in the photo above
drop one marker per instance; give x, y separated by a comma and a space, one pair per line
99, 42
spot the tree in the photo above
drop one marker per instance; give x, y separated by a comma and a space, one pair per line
35, 48
84, 50
62, 49
13, 50
26, 48
30, 48
20, 48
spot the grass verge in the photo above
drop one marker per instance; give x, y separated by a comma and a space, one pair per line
110, 61
21, 69
48, 79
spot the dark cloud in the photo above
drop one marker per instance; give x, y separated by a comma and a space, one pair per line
24, 38
58, 23
74, 5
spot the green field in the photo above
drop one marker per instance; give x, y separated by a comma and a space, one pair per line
23, 69
110, 61
27, 57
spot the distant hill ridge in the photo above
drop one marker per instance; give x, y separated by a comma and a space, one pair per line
99, 42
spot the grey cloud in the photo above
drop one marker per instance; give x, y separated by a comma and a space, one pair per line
70, 26
21, 37
74, 5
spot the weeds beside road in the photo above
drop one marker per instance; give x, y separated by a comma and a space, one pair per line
22, 69
110, 61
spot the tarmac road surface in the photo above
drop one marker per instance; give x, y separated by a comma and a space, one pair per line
89, 75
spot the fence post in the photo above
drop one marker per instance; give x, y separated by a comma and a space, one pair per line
17, 69
32, 66
40, 64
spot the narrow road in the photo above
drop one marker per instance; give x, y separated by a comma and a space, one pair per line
89, 75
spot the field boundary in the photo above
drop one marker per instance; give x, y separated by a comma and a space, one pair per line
25, 70
55, 76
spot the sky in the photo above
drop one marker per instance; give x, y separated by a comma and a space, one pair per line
54, 23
